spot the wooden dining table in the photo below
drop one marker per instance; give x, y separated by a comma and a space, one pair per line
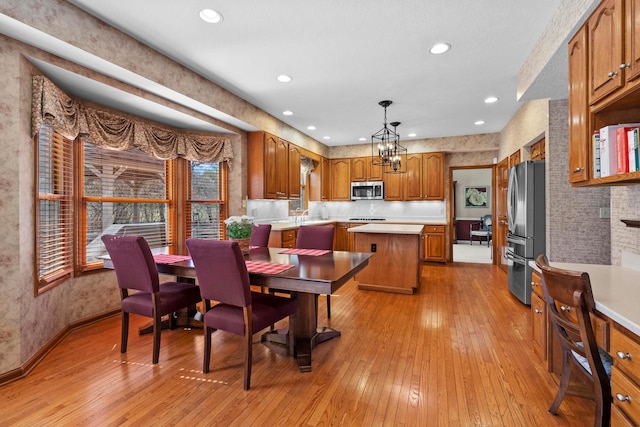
309, 277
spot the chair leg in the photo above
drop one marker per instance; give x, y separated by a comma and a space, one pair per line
157, 330
328, 306
563, 387
247, 361
125, 332
207, 349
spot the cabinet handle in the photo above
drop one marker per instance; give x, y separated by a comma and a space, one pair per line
538, 311
533, 283
578, 170
622, 355
565, 308
623, 66
623, 398
612, 73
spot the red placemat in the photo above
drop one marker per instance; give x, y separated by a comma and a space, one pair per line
169, 259
266, 267
312, 252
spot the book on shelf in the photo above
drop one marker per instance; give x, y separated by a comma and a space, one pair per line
596, 154
609, 148
622, 150
632, 144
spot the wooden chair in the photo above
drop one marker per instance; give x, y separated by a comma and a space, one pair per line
136, 270
260, 235
222, 276
316, 237
570, 303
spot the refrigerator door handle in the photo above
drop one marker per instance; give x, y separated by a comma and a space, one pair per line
512, 199
515, 258
512, 238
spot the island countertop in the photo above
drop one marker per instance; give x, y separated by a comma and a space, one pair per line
388, 228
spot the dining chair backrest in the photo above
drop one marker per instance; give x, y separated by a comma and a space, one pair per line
222, 273
260, 235
570, 303
315, 237
133, 262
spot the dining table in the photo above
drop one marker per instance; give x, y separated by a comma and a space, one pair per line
307, 275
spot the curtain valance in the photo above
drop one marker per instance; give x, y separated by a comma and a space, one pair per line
120, 131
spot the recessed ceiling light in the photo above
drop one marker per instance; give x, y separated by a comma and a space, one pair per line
411, 135
491, 100
326, 137
283, 78
211, 16
311, 127
439, 48
362, 139
287, 113
479, 122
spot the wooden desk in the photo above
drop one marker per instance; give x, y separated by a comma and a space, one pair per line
310, 277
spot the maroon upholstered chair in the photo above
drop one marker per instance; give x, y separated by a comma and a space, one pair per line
136, 270
260, 235
570, 303
222, 276
316, 237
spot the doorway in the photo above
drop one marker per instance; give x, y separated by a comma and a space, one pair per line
472, 198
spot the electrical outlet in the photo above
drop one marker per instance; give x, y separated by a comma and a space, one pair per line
605, 212
373, 247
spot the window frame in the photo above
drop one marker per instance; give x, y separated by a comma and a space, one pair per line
223, 201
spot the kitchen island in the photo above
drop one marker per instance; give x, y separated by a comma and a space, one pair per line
395, 266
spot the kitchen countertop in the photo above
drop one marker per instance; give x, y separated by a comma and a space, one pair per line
616, 289
384, 228
288, 225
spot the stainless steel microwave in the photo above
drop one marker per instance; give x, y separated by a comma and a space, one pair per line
367, 190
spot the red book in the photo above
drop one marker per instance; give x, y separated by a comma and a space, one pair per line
622, 149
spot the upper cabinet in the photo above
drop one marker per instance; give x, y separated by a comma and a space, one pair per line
266, 166
413, 179
604, 88
362, 170
294, 172
433, 176
340, 179
538, 150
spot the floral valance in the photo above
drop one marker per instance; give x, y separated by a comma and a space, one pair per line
117, 131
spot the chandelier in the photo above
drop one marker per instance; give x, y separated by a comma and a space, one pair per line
386, 150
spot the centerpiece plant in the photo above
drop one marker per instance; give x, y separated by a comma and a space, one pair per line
239, 227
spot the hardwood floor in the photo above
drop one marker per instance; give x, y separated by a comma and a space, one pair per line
456, 353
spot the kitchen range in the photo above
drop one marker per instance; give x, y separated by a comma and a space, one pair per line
526, 221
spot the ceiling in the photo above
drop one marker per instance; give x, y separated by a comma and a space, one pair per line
346, 56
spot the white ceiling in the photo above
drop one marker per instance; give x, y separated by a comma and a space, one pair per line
346, 56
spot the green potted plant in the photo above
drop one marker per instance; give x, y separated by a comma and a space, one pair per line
240, 228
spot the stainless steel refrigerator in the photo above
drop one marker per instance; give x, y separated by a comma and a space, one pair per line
526, 215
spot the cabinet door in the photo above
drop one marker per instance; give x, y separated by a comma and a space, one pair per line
375, 171
605, 47
270, 165
500, 226
434, 244
359, 169
342, 237
579, 135
294, 172
341, 179
393, 183
539, 326
433, 176
326, 179
514, 158
413, 178
632, 44
282, 169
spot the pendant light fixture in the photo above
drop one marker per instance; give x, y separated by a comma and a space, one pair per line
386, 150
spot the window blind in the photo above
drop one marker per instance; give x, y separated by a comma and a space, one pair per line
205, 207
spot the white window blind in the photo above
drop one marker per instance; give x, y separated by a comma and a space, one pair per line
54, 216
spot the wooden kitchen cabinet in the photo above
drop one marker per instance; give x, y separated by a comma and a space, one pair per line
412, 188
294, 172
362, 170
604, 88
538, 150
326, 179
267, 166
500, 227
433, 176
579, 135
514, 158
625, 374
393, 184
340, 179
540, 328
434, 243
283, 238
342, 241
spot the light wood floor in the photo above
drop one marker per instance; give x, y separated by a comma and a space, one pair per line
457, 353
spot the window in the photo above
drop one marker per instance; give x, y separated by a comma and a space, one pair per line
205, 202
54, 214
123, 193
